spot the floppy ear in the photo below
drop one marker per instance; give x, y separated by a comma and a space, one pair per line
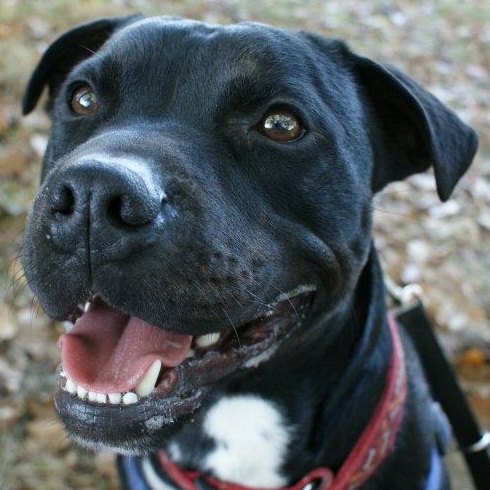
66, 52
417, 130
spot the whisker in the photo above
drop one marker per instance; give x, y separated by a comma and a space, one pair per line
259, 300
17, 285
256, 299
232, 325
294, 309
93, 53
35, 311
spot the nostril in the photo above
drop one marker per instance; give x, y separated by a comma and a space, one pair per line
63, 201
132, 211
117, 212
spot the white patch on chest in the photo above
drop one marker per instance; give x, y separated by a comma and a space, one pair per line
251, 441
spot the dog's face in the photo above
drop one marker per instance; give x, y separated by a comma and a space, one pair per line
205, 210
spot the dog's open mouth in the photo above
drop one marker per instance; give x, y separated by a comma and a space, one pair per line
112, 359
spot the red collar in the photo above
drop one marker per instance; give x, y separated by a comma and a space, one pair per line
371, 449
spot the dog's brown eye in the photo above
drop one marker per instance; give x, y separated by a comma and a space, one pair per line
281, 124
84, 101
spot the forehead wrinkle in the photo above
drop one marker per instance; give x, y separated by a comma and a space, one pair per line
249, 90
255, 73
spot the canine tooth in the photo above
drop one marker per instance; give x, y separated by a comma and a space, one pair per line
190, 353
207, 339
147, 384
81, 392
129, 398
115, 398
71, 386
86, 307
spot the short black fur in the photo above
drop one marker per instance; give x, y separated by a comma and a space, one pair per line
215, 220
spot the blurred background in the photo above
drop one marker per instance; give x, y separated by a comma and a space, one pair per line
444, 44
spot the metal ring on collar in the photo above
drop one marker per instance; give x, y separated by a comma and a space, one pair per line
405, 295
480, 445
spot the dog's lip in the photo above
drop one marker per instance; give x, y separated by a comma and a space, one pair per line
126, 429
180, 389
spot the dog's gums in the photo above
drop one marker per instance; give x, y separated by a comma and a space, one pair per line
126, 360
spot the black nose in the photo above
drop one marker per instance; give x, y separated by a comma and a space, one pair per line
107, 207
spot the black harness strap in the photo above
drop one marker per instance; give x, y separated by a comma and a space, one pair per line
474, 443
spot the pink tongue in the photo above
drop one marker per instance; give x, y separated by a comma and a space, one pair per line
108, 351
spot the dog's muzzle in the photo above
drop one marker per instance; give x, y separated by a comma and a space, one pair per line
142, 378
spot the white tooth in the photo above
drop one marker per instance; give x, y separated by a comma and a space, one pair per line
129, 398
67, 325
86, 307
115, 398
190, 353
71, 386
207, 339
63, 374
92, 396
81, 392
147, 384
101, 397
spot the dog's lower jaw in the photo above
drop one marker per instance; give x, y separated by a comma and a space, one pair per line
139, 430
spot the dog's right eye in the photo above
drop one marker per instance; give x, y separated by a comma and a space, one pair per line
84, 101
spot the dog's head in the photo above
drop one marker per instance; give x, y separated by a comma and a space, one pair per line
205, 208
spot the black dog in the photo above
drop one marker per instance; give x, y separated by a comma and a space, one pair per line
205, 221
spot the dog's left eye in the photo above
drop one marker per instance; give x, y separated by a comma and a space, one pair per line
84, 101
281, 124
